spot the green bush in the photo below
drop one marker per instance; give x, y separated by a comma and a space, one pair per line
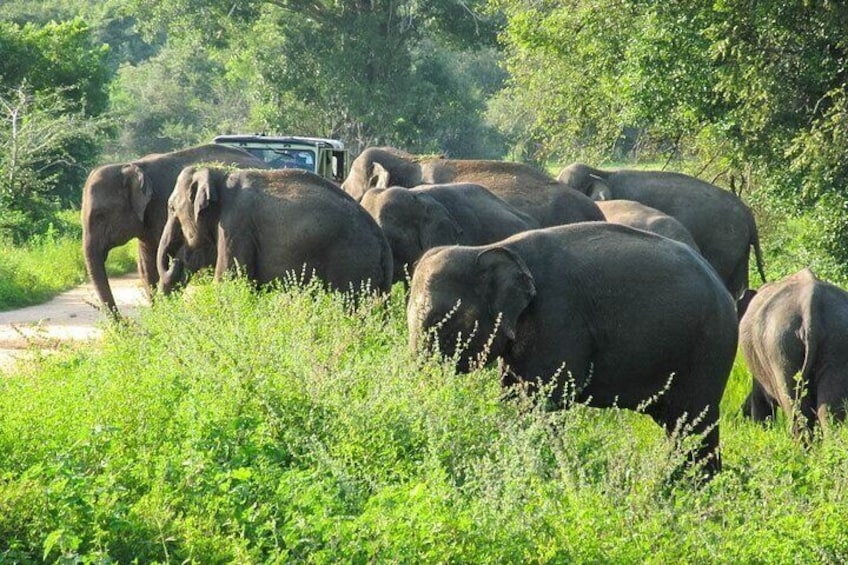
48, 264
233, 426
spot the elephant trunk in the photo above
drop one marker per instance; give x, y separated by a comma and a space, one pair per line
170, 266
172, 278
95, 264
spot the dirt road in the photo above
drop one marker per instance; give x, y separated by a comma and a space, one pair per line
71, 316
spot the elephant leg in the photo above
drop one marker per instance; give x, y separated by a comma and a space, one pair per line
236, 255
564, 377
148, 271
708, 451
758, 406
532, 366
737, 282
804, 417
696, 421
689, 409
832, 394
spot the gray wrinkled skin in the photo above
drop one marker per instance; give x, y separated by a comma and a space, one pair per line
271, 223
622, 310
721, 224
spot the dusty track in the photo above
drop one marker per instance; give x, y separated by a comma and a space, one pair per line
70, 317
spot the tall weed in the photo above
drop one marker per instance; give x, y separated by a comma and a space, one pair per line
229, 425
49, 264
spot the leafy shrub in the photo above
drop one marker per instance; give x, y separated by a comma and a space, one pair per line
230, 425
50, 263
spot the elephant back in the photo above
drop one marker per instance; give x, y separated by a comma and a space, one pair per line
301, 218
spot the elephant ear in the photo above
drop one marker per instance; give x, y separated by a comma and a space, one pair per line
140, 190
438, 226
506, 284
599, 189
205, 191
370, 200
380, 176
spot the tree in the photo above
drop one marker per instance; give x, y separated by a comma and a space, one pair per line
362, 71
57, 57
36, 131
179, 97
748, 86
55, 81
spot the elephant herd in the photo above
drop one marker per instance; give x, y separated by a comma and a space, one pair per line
613, 288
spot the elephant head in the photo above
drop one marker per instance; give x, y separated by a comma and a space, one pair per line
194, 205
189, 239
412, 223
381, 167
494, 287
599, 189
115, 201
588, 180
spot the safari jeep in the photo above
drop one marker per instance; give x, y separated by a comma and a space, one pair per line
325, 157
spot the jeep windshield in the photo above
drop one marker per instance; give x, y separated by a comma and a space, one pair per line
289, 158
322, 156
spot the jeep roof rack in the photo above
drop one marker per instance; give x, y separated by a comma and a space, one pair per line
280, 139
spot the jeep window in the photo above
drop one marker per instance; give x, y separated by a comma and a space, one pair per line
285, 158
291, 159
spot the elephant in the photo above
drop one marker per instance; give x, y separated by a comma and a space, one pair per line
794, 338
416, 219
273, 223
625, 312
636, 215
720, 223
125, 201
532, 192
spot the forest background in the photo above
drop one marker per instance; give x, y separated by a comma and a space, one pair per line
751, 96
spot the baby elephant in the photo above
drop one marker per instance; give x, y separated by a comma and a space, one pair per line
273, 222
637, 215
626, 312
417, 219
797, 326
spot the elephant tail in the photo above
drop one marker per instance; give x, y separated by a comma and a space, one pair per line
804, 394
758, 254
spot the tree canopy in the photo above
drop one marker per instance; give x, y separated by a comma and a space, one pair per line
752, 90
746, 86
54, 88
368, 72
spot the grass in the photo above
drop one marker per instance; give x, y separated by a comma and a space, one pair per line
48, 265
234, 426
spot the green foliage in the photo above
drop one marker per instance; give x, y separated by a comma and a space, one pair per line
51, 262
56, 57
55, 81
45, 149
367, 73
758, 90
564, 61
111, 22
175, 99
235, 426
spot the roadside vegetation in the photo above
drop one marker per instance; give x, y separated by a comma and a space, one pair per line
231, 426
50, 263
